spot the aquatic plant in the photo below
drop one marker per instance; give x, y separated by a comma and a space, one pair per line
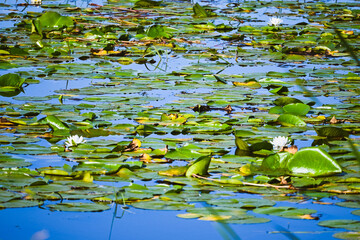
280, 142
74, 141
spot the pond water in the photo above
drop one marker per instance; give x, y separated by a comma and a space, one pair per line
110, 65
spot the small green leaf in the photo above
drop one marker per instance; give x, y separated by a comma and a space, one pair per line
199, 11
55, 123
199, 167
241, 144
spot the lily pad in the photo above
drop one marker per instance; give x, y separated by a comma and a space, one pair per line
291, 120
332, 132
297, 108
276, 163
347, 235
20, 203
199, 167
78, 207
286, 212
162, 205
313, 161
11, 80
348, 224
50, 21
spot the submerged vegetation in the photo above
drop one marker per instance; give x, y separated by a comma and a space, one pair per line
182, 103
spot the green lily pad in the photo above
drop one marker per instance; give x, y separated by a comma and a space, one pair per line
9, 161
332, 132
286, 212
20, 203
356, 212
175, 171
276, 163
351, 225
241, 144
246, 203
6, 196
297, 108
187, 152
50, 21
200, 12
146, 3
291, 120
78, 207
347, 235
162, 205
159, 31
11, 80
55, 123
286, 100
199, 167
313, 161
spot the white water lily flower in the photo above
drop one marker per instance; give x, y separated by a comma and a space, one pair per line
275, 21
74, 141
280, 142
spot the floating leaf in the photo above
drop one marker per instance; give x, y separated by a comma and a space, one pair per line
20, 203
332, 132
297, 109
276, 163
78, 207
186, 152
146, 3
351, 225
313, 161
286, 100
199, 167
291, 120
200, 12
263, 145
11, 80
348, 235
50, 21
55, 123
159, 31
241, 144
162, 205
286, 212
249, 84
305, 182
175, 171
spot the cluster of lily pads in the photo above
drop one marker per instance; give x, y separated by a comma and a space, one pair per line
180, 104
